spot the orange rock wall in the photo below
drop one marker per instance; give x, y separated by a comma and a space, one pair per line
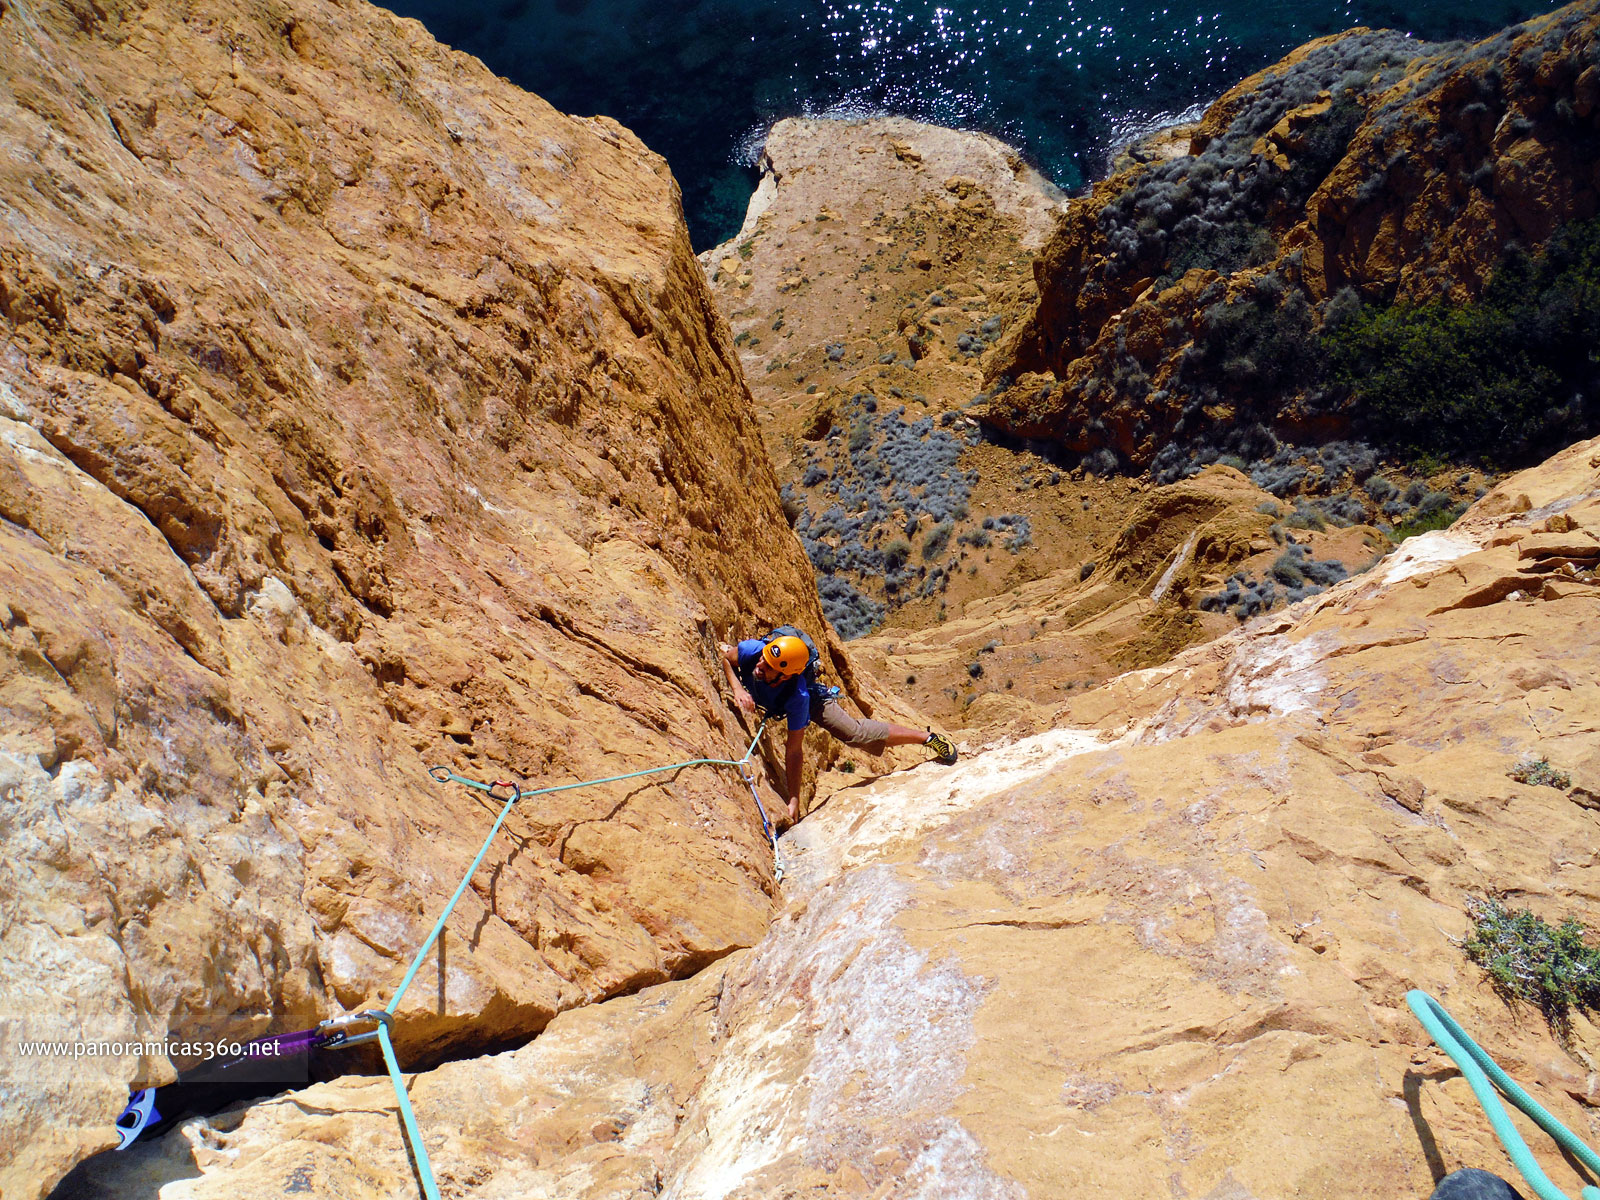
358, 412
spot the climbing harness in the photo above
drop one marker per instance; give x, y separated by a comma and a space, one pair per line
1479, 1070
430, 1188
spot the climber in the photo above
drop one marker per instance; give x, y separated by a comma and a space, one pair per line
777, 673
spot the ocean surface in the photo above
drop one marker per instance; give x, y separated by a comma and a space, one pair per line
1065, 81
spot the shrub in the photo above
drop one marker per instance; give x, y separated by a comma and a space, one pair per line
823, 556
1305, 517
1210, 210
1279, 480
1262, 342
1286, 567
1083, 574
851, 613
1512, 374
1439, 519
1540, 773
895, 554
937, 541
1223, 248
1433, 502
1553, 967
1021, 531
1343, 509
1346, 458
1101, 462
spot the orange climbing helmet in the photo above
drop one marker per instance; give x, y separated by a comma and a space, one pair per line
786, 655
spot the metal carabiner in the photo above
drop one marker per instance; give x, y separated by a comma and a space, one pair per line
334, 1028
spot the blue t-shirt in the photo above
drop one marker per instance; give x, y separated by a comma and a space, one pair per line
792, 697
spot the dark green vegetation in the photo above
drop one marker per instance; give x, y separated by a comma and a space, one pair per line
1441, 518
1503, 380
1512, 375
1553, 967
1540, 773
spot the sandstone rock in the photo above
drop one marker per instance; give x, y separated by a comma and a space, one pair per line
358, 413
1080, 962
890, 302
1576, 546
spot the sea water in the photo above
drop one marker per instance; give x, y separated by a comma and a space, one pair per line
1065, 81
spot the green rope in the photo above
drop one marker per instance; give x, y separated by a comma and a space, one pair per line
1479, 1070
430, 1189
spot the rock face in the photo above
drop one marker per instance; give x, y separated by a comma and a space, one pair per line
1162, 951
1366, 161
358, 412
880, 266
1142, 591
879, 260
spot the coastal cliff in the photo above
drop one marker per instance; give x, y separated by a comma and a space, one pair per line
1186, 305
360, 413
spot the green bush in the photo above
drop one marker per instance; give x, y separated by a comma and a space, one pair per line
1512, 375
1540, 773
1526, 957
895, 554
938, 538
1261, 342
1439, 518
1286, 570
860, 434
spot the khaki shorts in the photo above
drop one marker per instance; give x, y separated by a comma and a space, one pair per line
864, 732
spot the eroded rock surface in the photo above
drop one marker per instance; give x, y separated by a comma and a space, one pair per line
358, 412
1162, 952
879, 261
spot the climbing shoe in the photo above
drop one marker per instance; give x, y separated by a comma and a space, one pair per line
944, 750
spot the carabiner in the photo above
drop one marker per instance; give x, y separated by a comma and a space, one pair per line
334, 1028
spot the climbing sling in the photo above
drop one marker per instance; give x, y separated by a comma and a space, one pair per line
225, 1079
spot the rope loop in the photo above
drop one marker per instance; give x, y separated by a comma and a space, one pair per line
440, 774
